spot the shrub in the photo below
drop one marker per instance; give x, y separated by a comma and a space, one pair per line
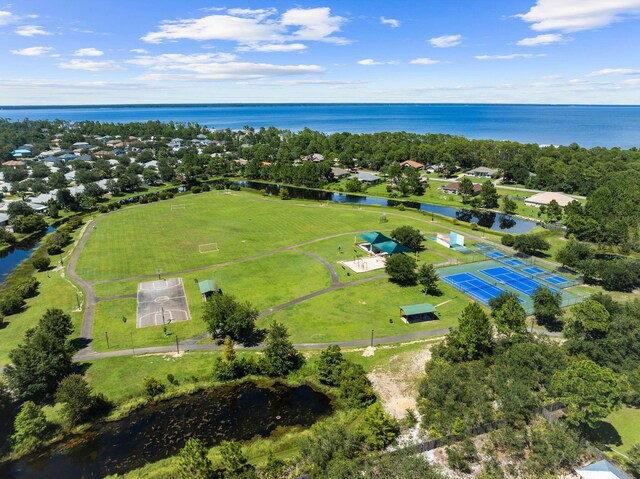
41, 262
508, 240
196, 189
27, 288
11, 303
401, 207
153, 387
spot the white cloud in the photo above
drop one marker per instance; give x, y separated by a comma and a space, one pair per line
424, 61
32, 51
141, 51
181, 61
576, 15
31, 31
214, 66
68, 85
273, 47
315, 24
90, 65
552, 77
392, 22
446, 41
540, 40
88, 52
370, 62
613, 71
247, 26
6, 17
632, 82
512, 56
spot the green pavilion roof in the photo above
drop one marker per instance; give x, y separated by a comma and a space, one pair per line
207, 286
418, 309
374, 237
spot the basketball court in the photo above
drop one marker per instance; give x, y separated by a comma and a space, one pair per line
161, 302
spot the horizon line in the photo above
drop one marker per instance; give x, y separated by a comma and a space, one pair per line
241, 104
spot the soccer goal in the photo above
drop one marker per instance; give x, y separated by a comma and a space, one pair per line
177, 207
208, 247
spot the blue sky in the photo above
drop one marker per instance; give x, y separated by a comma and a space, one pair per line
497, 51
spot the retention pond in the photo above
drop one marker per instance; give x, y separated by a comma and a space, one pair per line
158, 430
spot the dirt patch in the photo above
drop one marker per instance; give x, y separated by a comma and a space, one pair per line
397, 381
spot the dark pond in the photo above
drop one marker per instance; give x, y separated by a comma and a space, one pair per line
487, 219
158, 431
12, 257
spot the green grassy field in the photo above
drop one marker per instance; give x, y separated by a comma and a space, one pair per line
351, 313
265, 282
242, 225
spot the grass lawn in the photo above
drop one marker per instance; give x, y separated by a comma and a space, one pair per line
242, 225
121, 377
265, 282
351, 313
55, 292
621, 429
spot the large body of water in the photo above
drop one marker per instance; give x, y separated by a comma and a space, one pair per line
587, 125
157, 431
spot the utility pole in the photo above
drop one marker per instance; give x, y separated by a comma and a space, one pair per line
164, 326
177, 347
106, 335
372, 338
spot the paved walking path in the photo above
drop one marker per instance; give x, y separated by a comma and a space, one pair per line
191, 344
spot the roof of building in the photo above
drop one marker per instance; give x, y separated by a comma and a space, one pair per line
412, 164
13, 163
455, 186
393, 247
601, 470
207, 286
546, 198
339, 171
4, 218
374, 237
366, 176
483, 169
423, 308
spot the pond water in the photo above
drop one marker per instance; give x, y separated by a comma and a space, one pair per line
12, 257
487, 219
159, 430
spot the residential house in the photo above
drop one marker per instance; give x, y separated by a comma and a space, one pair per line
454, 188
366, 177
82, 145
482, 172
412, 164
339, 173
543, 199
15, 164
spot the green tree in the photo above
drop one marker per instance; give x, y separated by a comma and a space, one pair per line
193, 461
41, 262
509, 206
588, 320
633, 461
40, 363
531, 244
428, 278
553, 211
77, 399
355, 387
233, 458
379, 429
489, 195
31, 428
408, 236
466, 189
153, 387
330, 364
11, 303
510, 317
280, 357
574, 253
402, 269
226, 316
547, 306
474, 335
590, 391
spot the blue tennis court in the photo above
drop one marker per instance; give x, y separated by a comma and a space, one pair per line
514, 280
557, 280
495, 254
473, 286
514, 262
533, 270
